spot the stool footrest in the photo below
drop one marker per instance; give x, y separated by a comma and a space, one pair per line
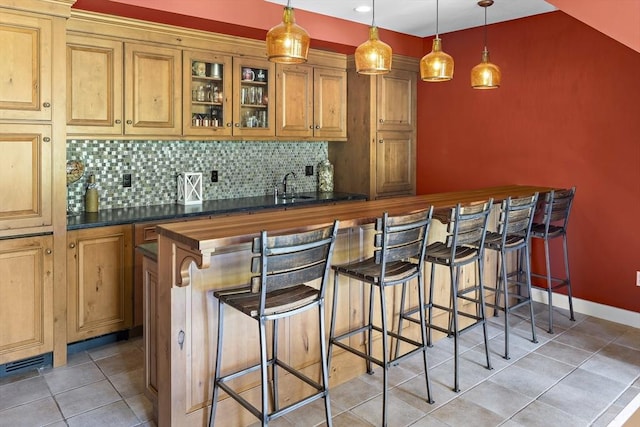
222, 383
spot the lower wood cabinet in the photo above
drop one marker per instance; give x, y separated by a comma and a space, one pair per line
99, 280
26, 297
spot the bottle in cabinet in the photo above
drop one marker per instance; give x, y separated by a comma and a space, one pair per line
91, 196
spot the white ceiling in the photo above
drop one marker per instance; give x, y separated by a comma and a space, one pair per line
418, 17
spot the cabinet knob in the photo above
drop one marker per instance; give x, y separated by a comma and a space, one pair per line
46, 105
310, 126
72, 245
381, 120
46, 139
228, 124
237, 125
317, 126
129, 122
118, 121
381, 141
48, 251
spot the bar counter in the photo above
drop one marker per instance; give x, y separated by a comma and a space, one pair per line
198, 256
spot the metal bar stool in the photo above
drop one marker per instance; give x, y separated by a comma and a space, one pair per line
463, 245
555, 210
513, 237
286, 264
399, 248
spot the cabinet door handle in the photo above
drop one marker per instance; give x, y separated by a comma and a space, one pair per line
46, 139
48, 251
72, 245
181, 339
46, 105
129, 122
381, 141
118, 121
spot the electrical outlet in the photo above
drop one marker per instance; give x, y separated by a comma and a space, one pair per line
214, 176
308, 170
637, 278
126, 180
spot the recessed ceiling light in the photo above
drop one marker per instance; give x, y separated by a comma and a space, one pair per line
363, 9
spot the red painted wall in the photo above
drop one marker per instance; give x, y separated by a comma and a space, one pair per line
568, 113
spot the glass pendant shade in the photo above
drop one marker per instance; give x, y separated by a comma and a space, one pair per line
436, 66
374, 55
485, 75
287, 42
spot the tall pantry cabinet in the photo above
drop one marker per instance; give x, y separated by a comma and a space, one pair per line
32, 179
379, 157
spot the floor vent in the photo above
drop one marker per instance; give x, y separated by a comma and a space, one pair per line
24, 365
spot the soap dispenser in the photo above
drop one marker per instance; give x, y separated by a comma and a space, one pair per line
91, 195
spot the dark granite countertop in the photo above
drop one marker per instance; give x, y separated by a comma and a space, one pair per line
208, 207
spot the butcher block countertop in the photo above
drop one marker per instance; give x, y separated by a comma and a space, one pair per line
207, 235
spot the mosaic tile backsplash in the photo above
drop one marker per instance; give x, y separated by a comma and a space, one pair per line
245, 168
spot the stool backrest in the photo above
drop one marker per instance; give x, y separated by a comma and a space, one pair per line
402, 237
556, 207
516, 217
468, 224
287, 260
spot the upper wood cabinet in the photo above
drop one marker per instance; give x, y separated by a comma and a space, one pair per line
99, 278
94, 86
207, 93
26, 177
380, 157
253, 95
153, 90
25, 71
311, 102
396, 100
26, 297
227, 96
122, 89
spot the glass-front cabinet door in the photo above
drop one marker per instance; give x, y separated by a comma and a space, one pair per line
254, 96
207, 94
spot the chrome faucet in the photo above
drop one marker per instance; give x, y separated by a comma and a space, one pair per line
285, 184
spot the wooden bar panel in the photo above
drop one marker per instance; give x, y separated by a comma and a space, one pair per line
221, 247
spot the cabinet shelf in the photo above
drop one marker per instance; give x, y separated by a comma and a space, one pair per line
213, 104
253, 83
205, 78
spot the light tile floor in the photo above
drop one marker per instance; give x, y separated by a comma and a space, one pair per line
582, 375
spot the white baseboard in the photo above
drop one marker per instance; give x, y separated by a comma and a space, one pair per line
614, 314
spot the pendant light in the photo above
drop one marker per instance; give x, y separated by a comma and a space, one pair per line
374, 55
485, 75
436, 66
287, 42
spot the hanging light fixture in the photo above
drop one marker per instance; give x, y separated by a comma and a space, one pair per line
287, 42
485, 75
374, 55
436, 66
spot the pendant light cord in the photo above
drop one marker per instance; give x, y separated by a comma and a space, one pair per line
288, 4
485, 28
437, 13
373, 13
